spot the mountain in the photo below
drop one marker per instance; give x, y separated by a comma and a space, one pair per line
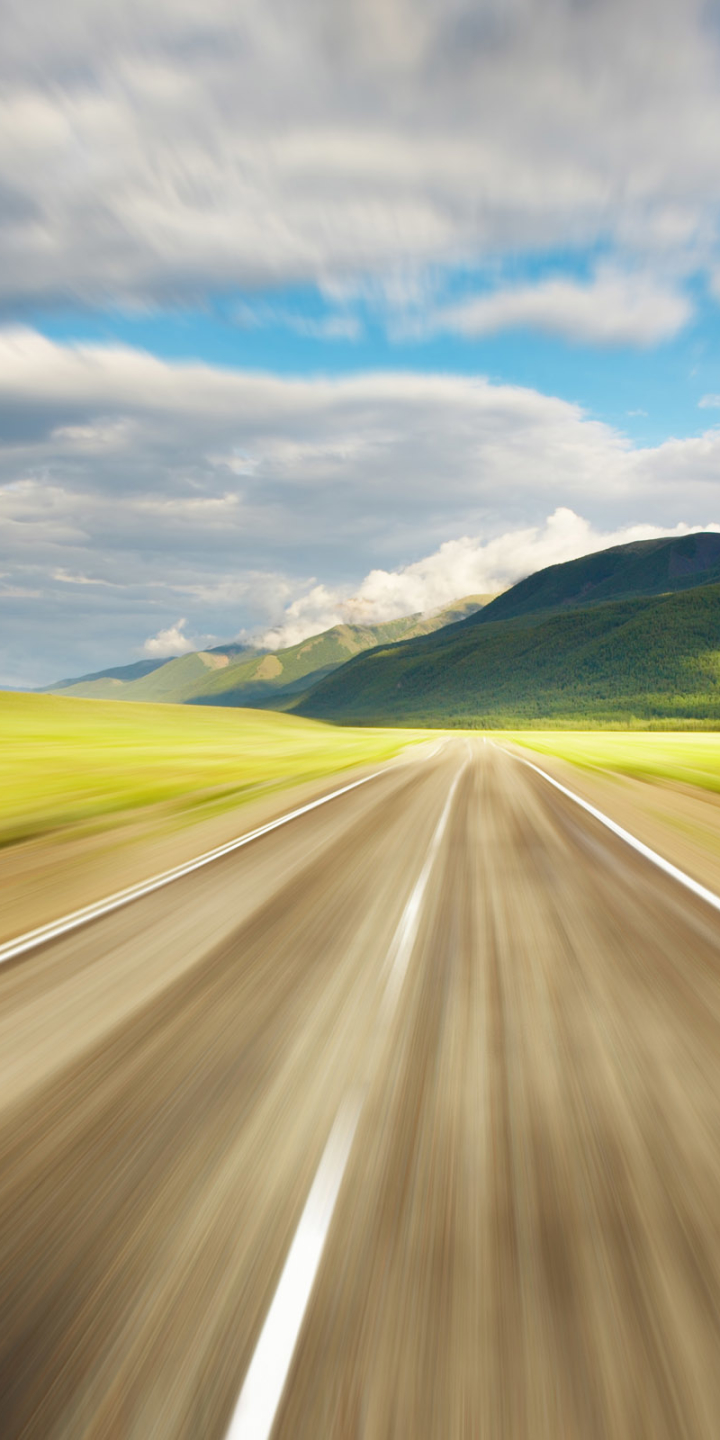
276, 679
116, 672
557, 649
237, 675
645, 567
168, 680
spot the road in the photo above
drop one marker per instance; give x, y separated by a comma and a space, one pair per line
513, 1019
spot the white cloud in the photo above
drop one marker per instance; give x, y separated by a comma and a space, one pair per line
230, 490
468, 566
613, 308
66, 579
158, 150
709, 402
174, 641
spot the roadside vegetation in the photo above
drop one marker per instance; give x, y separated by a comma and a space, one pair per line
80, 763
687, 758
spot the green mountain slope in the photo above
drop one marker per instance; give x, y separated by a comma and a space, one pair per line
234, 675
116, 672
276, 679
641, 661
645, 567
169, 682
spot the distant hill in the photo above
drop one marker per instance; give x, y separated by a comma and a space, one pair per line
556, 650
117, 672
277, 678
168, 680
237, 675
645, 567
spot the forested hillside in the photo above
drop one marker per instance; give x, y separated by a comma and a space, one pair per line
646, 661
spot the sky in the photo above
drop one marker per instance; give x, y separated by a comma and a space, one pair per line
316, 311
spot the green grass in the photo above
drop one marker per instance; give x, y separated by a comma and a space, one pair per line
66, 762
690, 758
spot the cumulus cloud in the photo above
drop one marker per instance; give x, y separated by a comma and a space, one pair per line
467, 566
613, 308
223, 493
152, 151
172, 641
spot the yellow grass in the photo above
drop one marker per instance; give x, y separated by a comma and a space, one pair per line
692, 757
65, 762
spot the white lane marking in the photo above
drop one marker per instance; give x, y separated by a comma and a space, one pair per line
697, 889
264, 1382
429, 754
22, 943
401, 947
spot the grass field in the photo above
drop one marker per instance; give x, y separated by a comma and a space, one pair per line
66, 762
691, 757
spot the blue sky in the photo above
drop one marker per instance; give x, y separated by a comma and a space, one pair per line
649, 391
312, 313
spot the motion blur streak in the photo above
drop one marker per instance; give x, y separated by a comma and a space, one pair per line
525, 1243
266, 1377
23, 943
672, 870
260, 1395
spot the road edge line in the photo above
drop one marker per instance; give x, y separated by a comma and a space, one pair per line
701, 891
21, 944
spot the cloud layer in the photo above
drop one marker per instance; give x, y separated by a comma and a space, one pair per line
134, 491
468, 566
614, 308
154, 151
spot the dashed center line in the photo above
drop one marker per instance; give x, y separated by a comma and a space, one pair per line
264, 1383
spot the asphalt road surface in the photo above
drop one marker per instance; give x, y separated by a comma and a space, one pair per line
401, 1123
